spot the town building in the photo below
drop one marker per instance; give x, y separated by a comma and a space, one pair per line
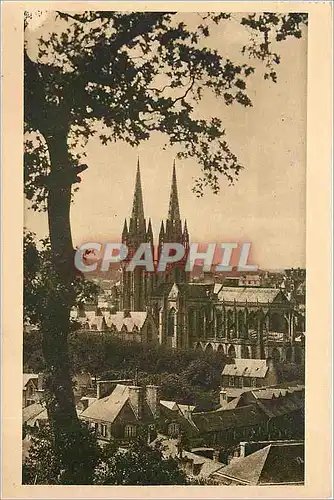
245, 374
32, 389
247, 320
132, 326
277, 463
123, 410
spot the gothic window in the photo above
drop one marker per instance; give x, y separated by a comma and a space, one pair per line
200, 323
130, 431
192, 322
241, 323
231, 352
278, 323
230, 323
171, 322
220, 332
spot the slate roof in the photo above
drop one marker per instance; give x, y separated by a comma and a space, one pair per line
34, 412
281, 463
197, 290
249, 294
236, 392
243, 416
282, 405
207, 465
171, 405
106, 409
255, 368
27, 377
192, 290
135, 320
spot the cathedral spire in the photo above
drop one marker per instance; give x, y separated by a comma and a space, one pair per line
138, 206
149, 232
125, 230
174, 210
162, 230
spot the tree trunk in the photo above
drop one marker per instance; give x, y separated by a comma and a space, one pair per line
56, 322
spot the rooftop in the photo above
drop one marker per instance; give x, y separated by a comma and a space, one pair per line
243, 416
27, 377
281, 463
256, 368
250, 294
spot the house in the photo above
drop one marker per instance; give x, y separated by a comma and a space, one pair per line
278, 463
34, 415
224, 428
193, 464
249, 280
32, 388
122, 410
247, 373
284, 407
132, 326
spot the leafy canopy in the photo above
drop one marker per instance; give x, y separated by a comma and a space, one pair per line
139, 464
126, 75
39, 277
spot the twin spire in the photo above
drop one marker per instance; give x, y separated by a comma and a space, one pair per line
137, 225
138, 204
174, 209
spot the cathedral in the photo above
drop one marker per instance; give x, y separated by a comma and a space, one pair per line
242, 322
139, 286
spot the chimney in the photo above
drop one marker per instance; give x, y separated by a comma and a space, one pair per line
223, 398
83, 403
153, 399
243, 445
40, 381
136, 398
105, 387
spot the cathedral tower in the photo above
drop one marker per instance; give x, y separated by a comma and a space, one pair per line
136, 284
172, 232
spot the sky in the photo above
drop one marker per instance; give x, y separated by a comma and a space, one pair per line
266, 206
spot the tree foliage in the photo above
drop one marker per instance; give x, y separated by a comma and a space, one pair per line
48, 463
124, 76
39, 277
138, 464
